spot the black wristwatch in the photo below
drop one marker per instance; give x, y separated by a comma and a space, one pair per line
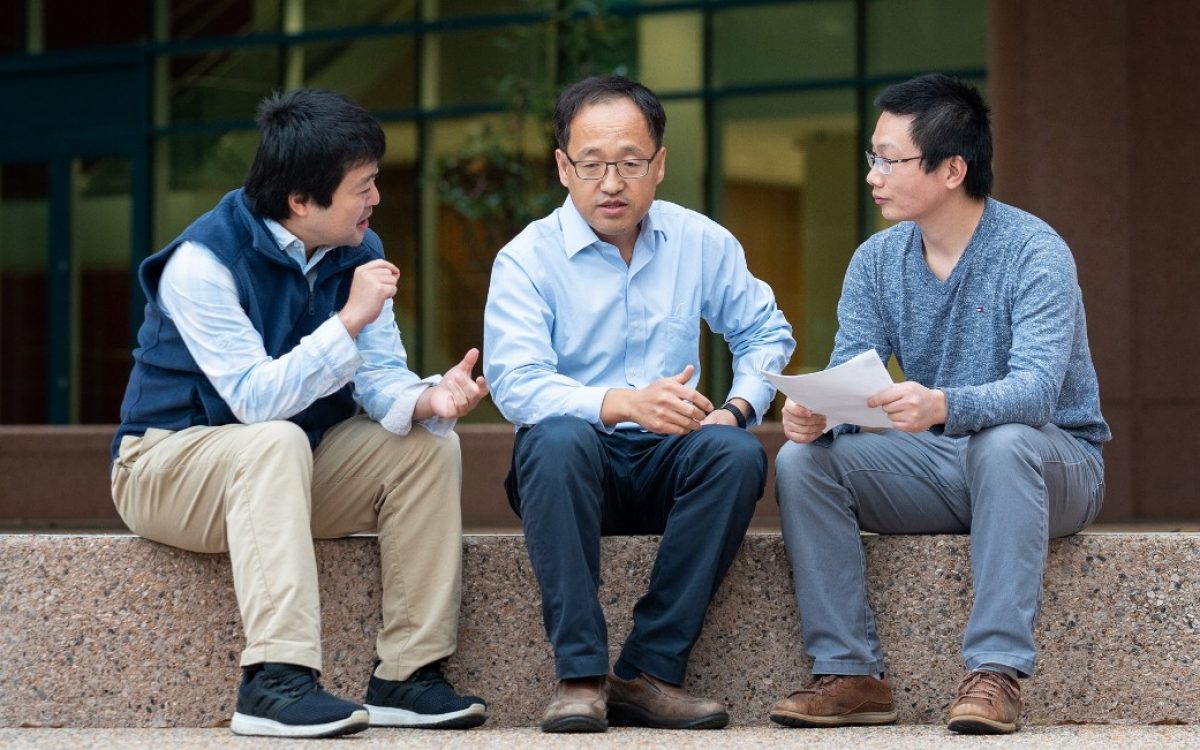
737, 414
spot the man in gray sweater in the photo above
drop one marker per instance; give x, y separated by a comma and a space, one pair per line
996, 431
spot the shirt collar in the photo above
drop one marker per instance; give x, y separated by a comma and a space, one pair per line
578, 234
293, 247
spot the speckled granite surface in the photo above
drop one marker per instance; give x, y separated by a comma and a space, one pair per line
904, 737
102, 631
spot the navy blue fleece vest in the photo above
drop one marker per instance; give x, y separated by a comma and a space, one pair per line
167, 389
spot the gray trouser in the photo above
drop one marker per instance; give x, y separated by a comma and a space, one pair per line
1012, 487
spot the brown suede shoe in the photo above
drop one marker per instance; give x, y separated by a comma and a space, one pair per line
650, 702
579, 705
835, 700
986, 703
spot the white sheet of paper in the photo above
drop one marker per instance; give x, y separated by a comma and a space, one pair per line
840, 393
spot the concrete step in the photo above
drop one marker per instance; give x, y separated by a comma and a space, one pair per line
116, 631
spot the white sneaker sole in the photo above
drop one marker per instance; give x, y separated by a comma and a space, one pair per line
471, 716
262, 727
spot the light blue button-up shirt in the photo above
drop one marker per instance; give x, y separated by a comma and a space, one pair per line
200, 296
567, 319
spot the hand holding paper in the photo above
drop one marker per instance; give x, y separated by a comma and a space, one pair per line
841, 393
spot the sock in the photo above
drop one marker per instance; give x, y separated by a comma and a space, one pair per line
1001, 668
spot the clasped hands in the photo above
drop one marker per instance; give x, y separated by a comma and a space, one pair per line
910, 406
668, 406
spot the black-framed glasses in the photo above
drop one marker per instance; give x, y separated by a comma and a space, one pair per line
884, 164
629, 169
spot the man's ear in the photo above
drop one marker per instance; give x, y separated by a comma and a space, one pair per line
299, 204
956, 171
563, 165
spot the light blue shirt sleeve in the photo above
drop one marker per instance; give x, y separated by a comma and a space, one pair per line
199, 295
567, 319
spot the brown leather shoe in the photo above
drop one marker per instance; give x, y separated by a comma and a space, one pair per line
986, 703
650, 702
579, 705
835, 700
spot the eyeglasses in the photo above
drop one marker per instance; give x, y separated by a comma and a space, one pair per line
884, 164
629, 169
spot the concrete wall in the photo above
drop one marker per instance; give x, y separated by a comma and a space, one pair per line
1093, 103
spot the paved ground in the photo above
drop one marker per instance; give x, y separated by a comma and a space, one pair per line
1092, 737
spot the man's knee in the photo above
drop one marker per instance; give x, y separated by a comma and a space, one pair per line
275, 439
561, 430
435, 450
1003, 444
558, 441
733, 449
795, 464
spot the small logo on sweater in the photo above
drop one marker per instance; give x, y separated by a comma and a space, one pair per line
979, 309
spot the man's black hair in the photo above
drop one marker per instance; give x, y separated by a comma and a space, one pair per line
308, 140
602, 89
950, 118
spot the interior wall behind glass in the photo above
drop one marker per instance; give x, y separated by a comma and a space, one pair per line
790, 195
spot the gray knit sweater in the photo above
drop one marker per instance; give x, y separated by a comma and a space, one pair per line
1003, 336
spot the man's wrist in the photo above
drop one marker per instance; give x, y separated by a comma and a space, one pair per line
737, 413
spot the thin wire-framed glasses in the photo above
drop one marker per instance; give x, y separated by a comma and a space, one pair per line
629, 169
884, 164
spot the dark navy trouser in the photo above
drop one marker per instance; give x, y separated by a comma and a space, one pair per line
571, 484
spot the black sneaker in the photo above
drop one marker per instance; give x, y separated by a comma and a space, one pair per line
284, 700
424, 700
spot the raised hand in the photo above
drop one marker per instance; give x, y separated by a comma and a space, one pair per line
374, 283
456, 395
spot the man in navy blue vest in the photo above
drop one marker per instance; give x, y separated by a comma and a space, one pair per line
271, 402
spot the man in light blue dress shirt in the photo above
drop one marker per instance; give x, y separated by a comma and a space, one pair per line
271, 403
591, 348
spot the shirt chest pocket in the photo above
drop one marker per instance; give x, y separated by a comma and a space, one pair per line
681, 343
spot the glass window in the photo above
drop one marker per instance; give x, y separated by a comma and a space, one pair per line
72, 24
223, 85
475, 8
477, 66
193, 172
101, 216
189, 19
12, 28
686, 160
394, 220
781, 42
790, 194
325, 14
380, 74
920, 36
24, 243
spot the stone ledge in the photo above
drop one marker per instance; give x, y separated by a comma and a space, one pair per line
115, 631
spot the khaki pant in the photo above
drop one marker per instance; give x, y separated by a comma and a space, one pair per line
259, 492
